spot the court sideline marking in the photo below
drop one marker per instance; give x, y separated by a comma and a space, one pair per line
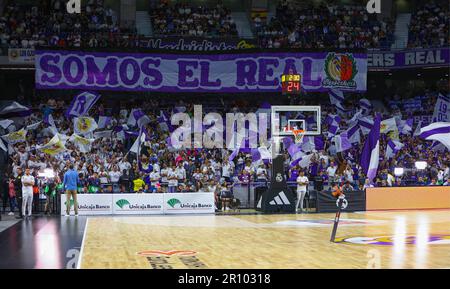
82, 244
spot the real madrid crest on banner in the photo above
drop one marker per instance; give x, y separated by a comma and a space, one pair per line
341, 70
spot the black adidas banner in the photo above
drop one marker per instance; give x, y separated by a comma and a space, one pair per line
278, 198
326, 203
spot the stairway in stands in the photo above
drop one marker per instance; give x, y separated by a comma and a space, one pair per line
401, 31
243, 24
144, 23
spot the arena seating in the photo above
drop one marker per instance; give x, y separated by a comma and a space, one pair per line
324, 27
188, 20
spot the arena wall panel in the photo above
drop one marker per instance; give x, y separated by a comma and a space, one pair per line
408, 198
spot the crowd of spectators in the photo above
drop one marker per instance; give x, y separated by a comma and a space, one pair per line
324, 26
429, 26
110, 166
48, 24
183, 19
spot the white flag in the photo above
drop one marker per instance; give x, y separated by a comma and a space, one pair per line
388, 125
84, 125
83, 144
442, 109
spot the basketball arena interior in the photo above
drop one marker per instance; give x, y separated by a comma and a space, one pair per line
224, 134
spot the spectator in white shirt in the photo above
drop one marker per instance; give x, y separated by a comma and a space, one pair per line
261, 173
172, 179
27, 193
154, 179
331, 171
302, 183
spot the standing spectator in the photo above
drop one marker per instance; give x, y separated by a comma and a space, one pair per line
12, 196
70, 185
302, 183
28, 182
124, 181
18, 189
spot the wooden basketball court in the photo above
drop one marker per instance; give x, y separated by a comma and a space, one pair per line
390, 239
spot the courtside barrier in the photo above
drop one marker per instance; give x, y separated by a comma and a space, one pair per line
326, 203
408, 198
143, 204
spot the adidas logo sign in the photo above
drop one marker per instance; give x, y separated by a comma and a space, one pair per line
281, 199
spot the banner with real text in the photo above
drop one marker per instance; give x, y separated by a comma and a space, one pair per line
233, 72
384, 60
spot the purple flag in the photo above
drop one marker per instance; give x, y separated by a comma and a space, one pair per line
370, 156
293, 149
342, 143
233, 155
82, 103
256, 155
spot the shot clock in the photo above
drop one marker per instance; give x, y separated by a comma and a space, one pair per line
291, 83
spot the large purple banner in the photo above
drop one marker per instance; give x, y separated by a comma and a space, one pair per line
241, 72
380, 60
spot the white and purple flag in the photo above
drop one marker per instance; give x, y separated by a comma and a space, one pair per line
405, 126
5, 123
304, 161
337, 99
438, 131
365, 124
312, 143
370, 156
392, 148
104, 121
163, 120
15, 109
342, 142
82, 103
138, 118
418, 128
332, 118
365, 105
442, 109
294, 148
333, 128
353, 134
233, 154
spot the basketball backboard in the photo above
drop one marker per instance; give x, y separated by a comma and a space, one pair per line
306, 118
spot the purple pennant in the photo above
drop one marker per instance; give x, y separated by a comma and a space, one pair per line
369, 152
118, 128
256, 155
293, 149
319, 143
233, 155
439, 130
131, 134
287, 142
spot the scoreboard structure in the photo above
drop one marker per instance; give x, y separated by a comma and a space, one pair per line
291, 83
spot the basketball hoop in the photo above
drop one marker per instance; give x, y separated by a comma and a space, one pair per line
298, 134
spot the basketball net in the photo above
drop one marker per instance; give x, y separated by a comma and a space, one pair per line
298, 134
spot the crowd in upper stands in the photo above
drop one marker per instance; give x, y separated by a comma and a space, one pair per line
324, 26
188, 20
429, 26
337, 26
49, 24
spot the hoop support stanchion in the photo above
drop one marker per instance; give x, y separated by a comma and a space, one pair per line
341, 203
